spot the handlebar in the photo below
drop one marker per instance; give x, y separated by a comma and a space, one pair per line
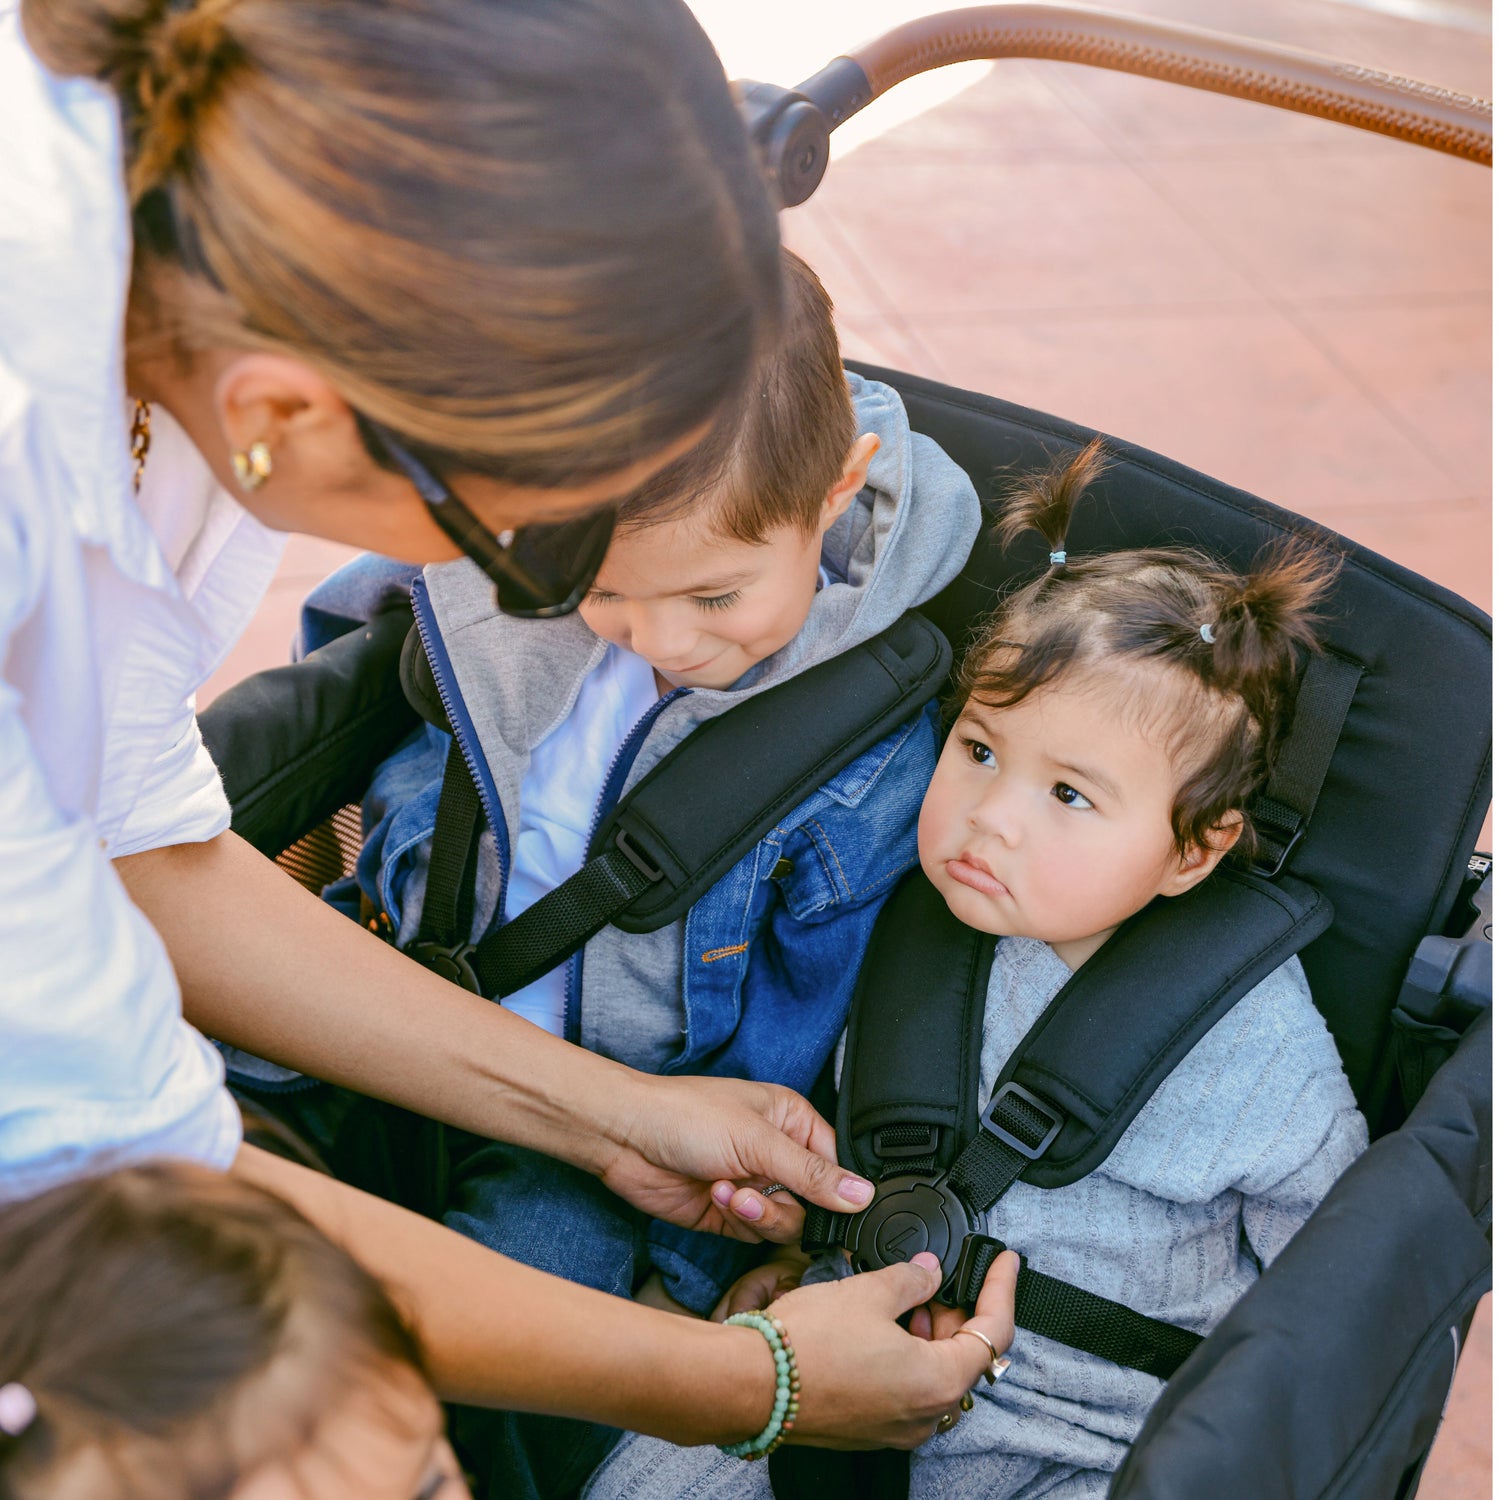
791, 126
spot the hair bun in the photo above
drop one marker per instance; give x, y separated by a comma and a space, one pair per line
184, 62
165, 60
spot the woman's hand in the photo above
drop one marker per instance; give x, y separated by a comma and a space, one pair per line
694, 1151
866, 1382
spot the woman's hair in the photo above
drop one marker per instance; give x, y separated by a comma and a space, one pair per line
176, 1329
1221, 647
527, 235
773, 455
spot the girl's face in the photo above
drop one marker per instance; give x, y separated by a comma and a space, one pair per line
383, 1442
1052, 819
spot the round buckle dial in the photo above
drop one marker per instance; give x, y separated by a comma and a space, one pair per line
909, 1215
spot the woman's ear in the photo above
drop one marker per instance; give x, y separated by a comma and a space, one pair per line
851, 481
1199, 861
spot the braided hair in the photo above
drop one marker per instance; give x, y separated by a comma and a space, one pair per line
1220, 648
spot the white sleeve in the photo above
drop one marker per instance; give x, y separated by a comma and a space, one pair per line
97, 1065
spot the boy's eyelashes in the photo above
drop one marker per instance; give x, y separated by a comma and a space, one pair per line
718, 601
715, 601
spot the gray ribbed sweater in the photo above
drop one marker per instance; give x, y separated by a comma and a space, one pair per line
1213, 1177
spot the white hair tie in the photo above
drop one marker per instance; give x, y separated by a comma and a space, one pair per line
1207, 632
17, 1409
1057, 559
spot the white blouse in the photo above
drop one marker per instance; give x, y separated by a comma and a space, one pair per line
113, 609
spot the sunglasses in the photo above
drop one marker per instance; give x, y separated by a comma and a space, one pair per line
539, 571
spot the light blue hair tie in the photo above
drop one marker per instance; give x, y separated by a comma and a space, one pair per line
1057, 559
1207, 632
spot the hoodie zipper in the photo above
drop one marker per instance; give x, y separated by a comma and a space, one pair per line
614, 781
461, 726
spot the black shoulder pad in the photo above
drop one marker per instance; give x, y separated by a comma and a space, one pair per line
295, 743
909, 1095
1115, 1030
697, 813
911, 1059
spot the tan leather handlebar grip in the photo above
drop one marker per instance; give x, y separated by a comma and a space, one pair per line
1286, 77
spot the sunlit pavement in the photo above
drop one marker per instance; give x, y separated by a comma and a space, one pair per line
1287, 304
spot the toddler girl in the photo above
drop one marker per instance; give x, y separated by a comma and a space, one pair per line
168, 1333
1117, 716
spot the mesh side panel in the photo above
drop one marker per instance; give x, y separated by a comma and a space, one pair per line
327, 853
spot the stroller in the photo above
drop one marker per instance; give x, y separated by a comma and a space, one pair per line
1329, 1377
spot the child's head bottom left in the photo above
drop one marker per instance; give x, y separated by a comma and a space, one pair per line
168, 1332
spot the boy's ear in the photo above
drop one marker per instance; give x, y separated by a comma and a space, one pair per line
851, 481
1201, 860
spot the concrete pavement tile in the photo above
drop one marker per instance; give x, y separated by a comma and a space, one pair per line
807, 230
1448, 542
1428, 364
975, 237
1014, 113
1397, 221
1243, 395
313, 558
1461, 1466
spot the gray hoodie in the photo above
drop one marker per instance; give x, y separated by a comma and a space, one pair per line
904, 537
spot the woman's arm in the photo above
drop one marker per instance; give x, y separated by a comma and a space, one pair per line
266, 966
500, 1334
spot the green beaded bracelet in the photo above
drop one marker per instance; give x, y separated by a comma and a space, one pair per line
788, 1387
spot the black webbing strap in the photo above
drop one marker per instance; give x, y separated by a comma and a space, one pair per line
713, 798
1015, 1130
543, 935
1281, 812
448, 900
1068, 1314
823, 1229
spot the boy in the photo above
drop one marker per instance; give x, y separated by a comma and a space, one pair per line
806, 523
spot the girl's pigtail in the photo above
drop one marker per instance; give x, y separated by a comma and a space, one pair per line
1262, 622
1044, 499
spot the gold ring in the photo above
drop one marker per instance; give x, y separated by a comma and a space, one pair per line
998, 1364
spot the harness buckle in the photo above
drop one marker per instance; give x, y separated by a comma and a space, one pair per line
909, 1214
1276, 849
626, 845
1048, 1132
448, 961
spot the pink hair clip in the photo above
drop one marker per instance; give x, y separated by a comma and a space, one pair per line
17, 1409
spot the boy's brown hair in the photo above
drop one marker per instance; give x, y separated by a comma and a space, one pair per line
176, 1328
772, 458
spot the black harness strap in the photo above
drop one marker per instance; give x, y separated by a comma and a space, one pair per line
1282, 812
1068, 1314
1094, 1056
450, 882
698, 812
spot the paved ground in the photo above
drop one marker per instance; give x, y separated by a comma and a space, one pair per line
1289, 305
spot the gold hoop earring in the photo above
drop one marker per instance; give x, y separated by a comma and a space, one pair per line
252, 466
